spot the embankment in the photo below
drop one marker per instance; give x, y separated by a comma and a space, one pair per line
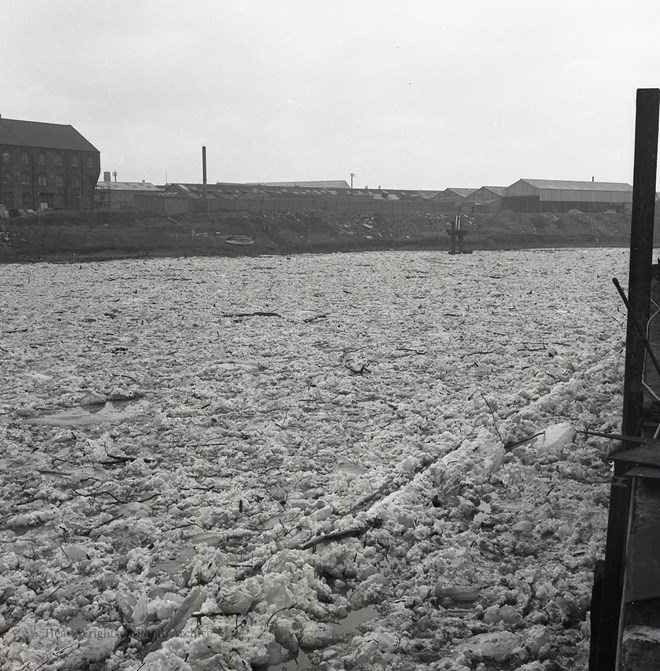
98, 235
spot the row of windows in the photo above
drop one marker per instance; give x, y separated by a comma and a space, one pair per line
26, 200
42, 179
58, 159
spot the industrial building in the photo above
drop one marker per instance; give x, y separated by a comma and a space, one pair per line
178, 198
121, 195
457, 192
323, 184
46, 165
485, 200
549, 195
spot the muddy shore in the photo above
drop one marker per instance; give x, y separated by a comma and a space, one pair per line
103, 235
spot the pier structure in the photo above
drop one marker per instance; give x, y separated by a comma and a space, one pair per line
625, 610
457, 232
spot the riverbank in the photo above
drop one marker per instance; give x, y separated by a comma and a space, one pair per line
104, 235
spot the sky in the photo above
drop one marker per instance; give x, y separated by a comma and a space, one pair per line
407, 94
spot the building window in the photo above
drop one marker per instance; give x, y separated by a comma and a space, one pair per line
6, 156
41, 158
59, 180
25, 178
25, 158
90, 163
75, 182
75, 161
58, 160
7, 178
42, 180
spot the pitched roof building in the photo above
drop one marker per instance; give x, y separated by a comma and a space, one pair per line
323, 184
486, 193
461, 192
554, 195
485, 200
121, 195
46, 164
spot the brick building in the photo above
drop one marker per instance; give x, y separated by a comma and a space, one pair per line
46, 163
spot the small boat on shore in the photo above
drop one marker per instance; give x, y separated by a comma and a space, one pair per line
239, 240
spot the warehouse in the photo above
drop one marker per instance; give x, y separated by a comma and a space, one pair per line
121, 195
323, 184
46, 165
457, 192
550, 195
486, 200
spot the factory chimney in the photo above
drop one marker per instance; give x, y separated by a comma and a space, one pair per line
204, 169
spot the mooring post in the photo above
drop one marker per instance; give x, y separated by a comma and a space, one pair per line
457, 233
606, 623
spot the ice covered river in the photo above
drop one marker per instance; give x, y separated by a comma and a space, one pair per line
211, 463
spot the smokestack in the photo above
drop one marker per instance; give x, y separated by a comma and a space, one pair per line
106, 177
204, 169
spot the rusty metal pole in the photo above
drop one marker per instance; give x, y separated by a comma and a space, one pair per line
606, 623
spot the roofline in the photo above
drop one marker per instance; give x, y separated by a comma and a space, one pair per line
50, 123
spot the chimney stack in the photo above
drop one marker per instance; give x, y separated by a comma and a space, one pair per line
106, 177
204, 169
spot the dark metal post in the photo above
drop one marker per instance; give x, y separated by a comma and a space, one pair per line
641, 253
605, 625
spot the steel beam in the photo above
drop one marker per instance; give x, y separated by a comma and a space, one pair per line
606, 622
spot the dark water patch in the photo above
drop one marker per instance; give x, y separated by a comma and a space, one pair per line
346, 629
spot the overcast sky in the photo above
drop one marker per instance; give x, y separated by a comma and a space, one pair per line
403, 93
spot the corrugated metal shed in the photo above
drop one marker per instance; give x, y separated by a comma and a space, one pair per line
569, 185
458, 191
43, 135
552, 195
122, 194
130, 186
550, 188
486, 193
